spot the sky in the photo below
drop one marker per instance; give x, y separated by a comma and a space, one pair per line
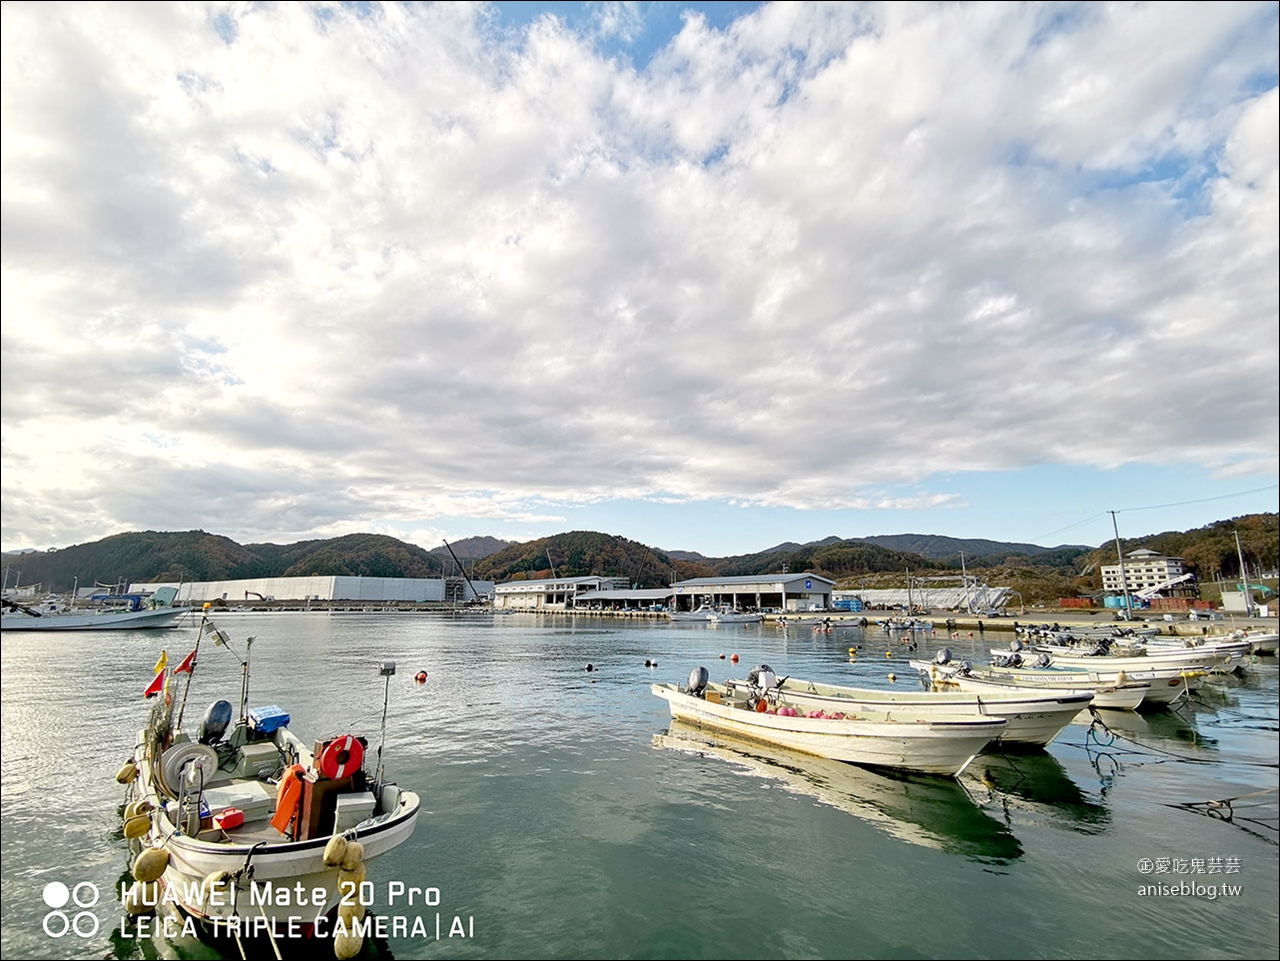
708, 276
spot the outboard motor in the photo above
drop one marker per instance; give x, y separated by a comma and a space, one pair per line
943, 656
966, 667
762, 678
1015, 645
698, 679
214, 723
1043, 661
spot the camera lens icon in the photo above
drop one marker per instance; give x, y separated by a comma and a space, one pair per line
57, 895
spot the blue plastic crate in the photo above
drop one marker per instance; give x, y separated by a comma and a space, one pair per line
266, 720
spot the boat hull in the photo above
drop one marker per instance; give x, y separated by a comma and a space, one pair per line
97, 621
930, 746
1110, 697
1033, 718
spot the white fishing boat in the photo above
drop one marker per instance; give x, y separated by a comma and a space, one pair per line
706, 614
891, 739
1033, 717
702, 615
248, 830
129, 612
735, 617
1126, 696
1167, 684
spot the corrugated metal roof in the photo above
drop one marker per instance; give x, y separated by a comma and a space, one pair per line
753, 579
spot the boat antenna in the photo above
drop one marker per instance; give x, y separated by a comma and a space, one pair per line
220, 639
205, 624
387, 670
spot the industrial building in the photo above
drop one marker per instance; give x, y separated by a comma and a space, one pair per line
756, 592
552, 594
328, 588
975, 597
1146, 573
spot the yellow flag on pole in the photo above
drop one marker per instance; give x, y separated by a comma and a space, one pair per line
163, 662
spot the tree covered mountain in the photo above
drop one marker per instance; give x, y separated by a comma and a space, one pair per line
579, 554
1045, 573
200, 556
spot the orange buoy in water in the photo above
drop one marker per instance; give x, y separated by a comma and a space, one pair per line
722, 657
421, 677
734, 658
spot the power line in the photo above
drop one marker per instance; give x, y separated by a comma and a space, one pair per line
1201, 500
1152, 507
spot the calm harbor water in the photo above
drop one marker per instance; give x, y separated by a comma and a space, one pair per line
565, 816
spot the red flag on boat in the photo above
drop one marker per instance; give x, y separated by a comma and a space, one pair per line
155, 687
187, 664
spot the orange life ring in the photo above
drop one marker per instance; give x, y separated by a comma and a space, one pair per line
341, 756
288, 797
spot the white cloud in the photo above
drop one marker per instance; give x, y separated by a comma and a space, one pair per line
397, 267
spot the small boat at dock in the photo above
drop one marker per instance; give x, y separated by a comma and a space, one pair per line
940, 744
223, 816
1033, 717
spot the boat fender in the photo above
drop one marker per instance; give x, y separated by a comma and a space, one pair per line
350, 911
127, 773
142, 898
213, 882
288, 797
335, 851
341, 756
137, 826
139, 806
347, 945
353, 856
354, 878
150, 864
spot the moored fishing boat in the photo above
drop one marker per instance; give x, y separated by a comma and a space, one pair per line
943, 744
1126, 696
247, 829
129, 612
1167, 684
1033, 717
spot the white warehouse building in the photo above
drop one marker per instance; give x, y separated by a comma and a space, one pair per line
327, 588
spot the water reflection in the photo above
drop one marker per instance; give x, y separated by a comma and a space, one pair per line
926, 811
1038, 785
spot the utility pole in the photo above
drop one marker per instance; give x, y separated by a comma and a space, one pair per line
1124, 583
1244, 579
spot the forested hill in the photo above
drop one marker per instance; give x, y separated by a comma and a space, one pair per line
200, 556
579, 554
